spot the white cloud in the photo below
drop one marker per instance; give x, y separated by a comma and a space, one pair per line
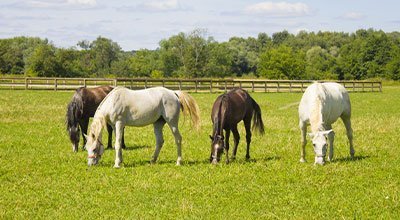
278, 9
82, 2
353, 16
161, 5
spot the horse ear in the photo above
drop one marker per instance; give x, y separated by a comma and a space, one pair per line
85, 136
211, 137
311, 135
326, 132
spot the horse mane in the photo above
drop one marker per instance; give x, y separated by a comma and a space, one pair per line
316, 119
74, 113
96, 128
222, 108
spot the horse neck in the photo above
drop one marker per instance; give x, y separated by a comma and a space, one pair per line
316, 119
97, 125
221, 116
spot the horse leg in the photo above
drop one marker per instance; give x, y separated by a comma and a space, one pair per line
84, 123
110, 131
349, 131
331, 138
247, 126
158, 132
303, 129
227, 134
236, 139
119, 128
178, 140
123, 139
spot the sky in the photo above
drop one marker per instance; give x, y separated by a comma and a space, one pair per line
139, 24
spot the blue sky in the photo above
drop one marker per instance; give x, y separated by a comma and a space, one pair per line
138, 24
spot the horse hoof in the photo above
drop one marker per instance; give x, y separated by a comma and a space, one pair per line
116, 166
302, 160
227, 161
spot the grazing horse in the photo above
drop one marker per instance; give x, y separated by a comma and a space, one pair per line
321, 105
228, 110
83, 106
123, 107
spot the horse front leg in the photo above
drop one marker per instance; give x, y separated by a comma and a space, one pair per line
119, 127
303, 129
110, 131
331, 138
84, 124
227, 134
236, 138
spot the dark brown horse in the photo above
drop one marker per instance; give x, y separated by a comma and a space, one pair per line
228, 110
83, 105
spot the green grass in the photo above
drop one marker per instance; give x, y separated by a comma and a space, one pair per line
40, 176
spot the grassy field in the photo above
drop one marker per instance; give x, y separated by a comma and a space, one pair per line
40, 176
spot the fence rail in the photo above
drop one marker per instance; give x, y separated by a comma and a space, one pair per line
191, 85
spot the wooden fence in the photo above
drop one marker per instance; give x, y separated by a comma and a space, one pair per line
191, 85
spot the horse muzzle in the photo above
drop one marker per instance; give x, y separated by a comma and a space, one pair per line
319, 160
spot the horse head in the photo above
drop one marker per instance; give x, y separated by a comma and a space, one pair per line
74, 135
217, 148
93, 145
320, 144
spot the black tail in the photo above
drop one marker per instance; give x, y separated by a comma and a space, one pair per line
74, 114
257, 119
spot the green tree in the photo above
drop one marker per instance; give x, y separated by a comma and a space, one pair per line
282, 63
43, 61
103, 53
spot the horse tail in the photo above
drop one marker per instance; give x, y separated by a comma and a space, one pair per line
189, 107
74, 114
257, 119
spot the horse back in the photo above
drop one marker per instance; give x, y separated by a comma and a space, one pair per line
92, 97
233, 107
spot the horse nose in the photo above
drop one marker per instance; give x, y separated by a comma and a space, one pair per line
319, 161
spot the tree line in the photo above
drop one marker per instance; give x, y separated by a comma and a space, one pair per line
364, 54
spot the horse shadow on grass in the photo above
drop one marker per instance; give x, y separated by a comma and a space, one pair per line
348, 159
134, 147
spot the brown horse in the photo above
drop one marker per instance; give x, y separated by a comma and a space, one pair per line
83, 105
228, 110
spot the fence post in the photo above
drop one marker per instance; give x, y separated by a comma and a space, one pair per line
26, 83
252, 86
290, 87
84, 82
195, 85
278, 88
380, 86
55, 84
225, 86
265, 86
211, 86
115, 82
180, 84
145, 83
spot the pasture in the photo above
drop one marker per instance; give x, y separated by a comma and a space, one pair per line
40, 176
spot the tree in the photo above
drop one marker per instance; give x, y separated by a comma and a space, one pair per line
43, 62
282, 63
103, 53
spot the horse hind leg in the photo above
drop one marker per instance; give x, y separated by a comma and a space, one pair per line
349, 132
178, 141
158, 132
247, 126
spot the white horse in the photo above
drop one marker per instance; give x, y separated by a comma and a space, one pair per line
123, 107
321, 105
